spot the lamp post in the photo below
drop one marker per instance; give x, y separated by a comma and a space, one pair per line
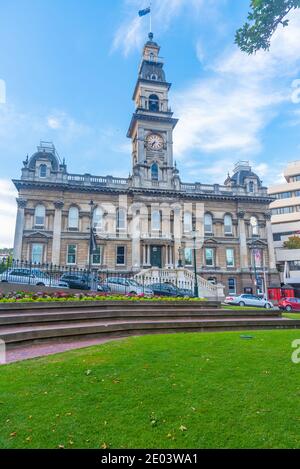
180, 258
91, 234
93, 279
196, 289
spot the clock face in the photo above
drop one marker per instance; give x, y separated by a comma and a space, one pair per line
155, 142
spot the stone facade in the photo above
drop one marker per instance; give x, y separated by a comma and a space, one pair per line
151, 218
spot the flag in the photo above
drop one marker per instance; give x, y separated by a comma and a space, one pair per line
145, 12
93, 242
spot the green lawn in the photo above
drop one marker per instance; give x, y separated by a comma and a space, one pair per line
173, 391
291, 315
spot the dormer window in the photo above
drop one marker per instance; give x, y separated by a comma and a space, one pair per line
154, 77
153, 103
43, 171
251, 186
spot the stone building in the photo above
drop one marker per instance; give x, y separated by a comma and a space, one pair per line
152, 218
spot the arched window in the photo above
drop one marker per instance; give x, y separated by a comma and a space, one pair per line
121, 219
43, 171
154, 172
187, 222
155, 220
228, 224
153, 103
73, 221
251, 186
39, 216
254, 226
208, 223
98, 219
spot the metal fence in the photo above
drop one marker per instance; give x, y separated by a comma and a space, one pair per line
49, 275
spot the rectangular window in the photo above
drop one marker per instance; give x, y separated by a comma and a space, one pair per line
97, 256
188, 256
230, 257
71, 254
231, 286
209, 257
257, 258
120, 255
37, 254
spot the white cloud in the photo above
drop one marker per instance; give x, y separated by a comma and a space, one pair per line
132, 32
8, 210
228, 110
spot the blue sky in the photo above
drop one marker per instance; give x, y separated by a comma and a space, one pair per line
70, 68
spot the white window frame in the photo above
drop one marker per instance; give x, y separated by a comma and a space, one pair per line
155, 223
36, 216
121, 217
208, 232
100, 248
98, 219
228, 227
71, 263
40, 245
117, 247
185, 257
75, 226
232, 292
187, 222
43, 165
233, 257
213, 257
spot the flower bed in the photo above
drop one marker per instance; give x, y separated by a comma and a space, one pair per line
25, 297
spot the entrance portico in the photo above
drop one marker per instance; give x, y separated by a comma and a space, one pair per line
158, 254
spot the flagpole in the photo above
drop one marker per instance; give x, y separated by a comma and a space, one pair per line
150, 17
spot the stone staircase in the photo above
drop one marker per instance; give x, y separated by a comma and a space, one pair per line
23, 324
182, 278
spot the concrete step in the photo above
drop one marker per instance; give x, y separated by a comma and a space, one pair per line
13, 335
102, 305
46, 316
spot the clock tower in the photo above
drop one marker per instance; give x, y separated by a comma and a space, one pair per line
152, 124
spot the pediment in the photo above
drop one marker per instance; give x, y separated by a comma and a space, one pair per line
211, 241
37, 234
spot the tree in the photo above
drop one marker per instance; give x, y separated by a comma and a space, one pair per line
292, 243
264, 19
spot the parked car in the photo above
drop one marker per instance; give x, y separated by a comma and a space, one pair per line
31, 277
126, 286
103, 288
169, 289
76, 281
289, 304
248, 300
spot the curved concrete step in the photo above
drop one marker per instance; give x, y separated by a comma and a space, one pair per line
20, 317
14, 335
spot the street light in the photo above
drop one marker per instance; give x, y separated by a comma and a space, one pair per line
196, 289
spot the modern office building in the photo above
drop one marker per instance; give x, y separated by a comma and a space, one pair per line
286, 223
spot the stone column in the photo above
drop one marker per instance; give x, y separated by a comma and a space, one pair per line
18, 241
243, 241
271, 249
57, 232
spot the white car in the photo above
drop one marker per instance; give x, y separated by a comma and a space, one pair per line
248, 300
31, 277
125, 286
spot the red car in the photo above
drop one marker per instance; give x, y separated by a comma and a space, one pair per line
289, 304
